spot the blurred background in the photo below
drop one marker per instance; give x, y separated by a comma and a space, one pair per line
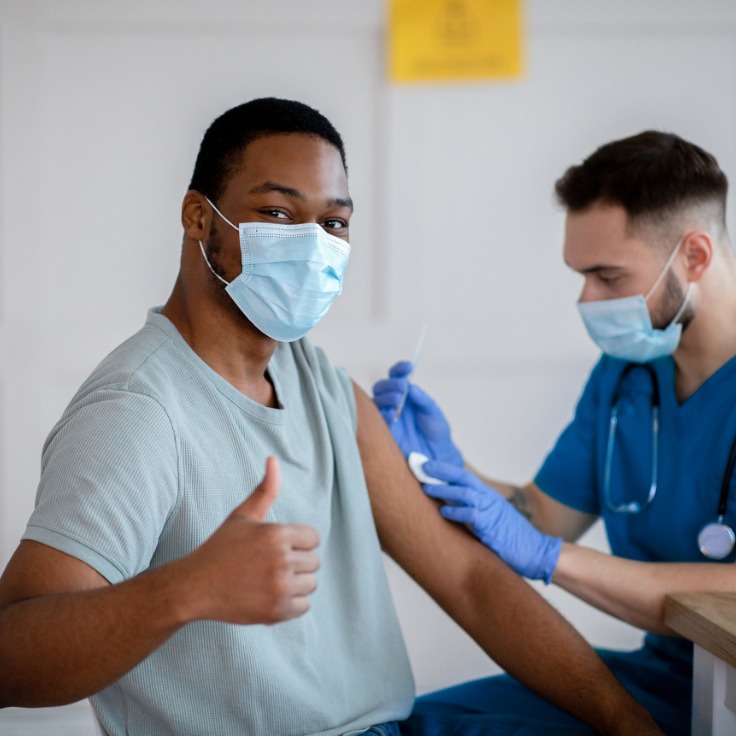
102, 107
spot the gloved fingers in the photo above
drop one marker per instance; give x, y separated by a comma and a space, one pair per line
459, 514
456, 494
390, 385
389, 392
388, 413
401, 369
452, 474
423, 401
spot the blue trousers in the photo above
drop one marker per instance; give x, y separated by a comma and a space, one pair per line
501, 706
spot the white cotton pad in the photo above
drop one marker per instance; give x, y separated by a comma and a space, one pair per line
416, 460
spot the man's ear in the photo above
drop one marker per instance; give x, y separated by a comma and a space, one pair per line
195, 215
697, 247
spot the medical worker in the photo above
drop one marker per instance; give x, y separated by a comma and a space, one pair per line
650, 448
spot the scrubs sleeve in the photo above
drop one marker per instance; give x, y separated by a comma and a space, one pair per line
568, 473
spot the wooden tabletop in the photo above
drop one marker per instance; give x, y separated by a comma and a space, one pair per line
708, 619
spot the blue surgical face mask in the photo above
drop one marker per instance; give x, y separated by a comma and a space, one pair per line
622, 328
291, 275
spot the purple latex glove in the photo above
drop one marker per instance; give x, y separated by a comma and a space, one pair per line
421, 426
494, 521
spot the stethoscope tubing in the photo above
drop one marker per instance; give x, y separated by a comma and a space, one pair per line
631, 507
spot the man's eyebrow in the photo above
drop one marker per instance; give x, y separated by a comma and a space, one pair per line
340, 202
272, 186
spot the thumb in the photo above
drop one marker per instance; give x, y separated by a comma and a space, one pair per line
402, 369
256, 506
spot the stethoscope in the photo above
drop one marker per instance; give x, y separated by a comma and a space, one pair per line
716, 539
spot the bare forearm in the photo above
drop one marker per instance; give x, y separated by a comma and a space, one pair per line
60, 648
517, 497
635, 591
529, 639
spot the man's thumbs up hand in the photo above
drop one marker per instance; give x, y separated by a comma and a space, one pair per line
251, 572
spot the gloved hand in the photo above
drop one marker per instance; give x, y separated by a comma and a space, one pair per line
494, 521
421, 425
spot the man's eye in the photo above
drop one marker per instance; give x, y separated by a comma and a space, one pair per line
335, 225
277, 214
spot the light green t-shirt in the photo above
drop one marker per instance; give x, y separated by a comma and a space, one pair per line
150, 457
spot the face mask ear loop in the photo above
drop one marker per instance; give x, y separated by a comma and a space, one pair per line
221, 215
662, 274
209, 265
689, 291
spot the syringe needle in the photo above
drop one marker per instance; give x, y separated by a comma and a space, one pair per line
417, 352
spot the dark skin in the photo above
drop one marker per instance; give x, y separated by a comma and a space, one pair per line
47, 598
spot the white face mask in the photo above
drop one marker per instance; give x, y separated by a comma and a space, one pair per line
291, 275
622, 328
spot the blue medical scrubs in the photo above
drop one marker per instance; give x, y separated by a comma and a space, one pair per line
695, 439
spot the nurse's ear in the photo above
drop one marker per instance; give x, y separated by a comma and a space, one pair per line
697, 254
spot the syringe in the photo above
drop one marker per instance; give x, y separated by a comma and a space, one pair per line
414, 359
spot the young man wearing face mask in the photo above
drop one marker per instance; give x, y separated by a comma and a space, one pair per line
158, 549
651, 445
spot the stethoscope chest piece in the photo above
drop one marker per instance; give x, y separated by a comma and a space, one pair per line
716, 540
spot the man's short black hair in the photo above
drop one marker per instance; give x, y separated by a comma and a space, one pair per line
652, 175
223, 146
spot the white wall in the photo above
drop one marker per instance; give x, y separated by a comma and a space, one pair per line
103, 104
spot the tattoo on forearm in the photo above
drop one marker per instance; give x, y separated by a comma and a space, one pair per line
520, 502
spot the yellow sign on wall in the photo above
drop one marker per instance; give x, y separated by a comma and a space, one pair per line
444, 40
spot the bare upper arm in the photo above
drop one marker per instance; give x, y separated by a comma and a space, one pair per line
400, 508
36, 569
